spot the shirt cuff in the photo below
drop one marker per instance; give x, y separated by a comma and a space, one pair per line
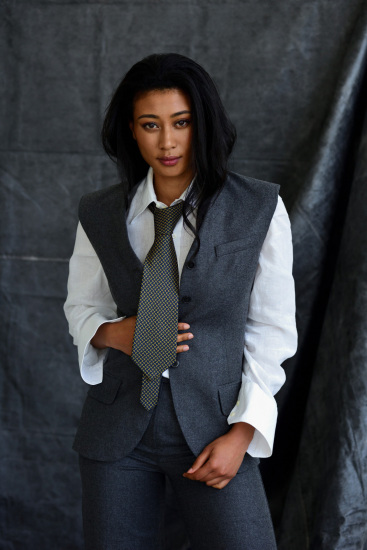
259, 409
91, 359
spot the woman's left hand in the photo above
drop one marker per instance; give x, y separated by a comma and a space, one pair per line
219, 462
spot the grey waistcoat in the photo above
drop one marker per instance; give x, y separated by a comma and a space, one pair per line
214, 298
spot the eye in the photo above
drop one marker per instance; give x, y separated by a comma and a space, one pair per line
150, 125
183, 123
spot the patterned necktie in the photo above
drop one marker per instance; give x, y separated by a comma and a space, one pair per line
155, 337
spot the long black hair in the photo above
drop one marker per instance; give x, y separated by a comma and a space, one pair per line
213, 133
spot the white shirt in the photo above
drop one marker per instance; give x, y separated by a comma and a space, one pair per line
270, 331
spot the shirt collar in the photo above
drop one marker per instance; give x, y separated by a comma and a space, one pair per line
145, 194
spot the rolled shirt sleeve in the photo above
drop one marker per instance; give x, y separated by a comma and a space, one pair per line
270, 335
89, 304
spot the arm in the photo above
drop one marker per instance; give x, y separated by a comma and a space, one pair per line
270, 335
89, 304
91, 313
270, 338
120, 335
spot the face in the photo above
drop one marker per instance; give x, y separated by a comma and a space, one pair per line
162, 128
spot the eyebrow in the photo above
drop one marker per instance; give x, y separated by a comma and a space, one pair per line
172, 116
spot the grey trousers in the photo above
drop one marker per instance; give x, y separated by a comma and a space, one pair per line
123, 501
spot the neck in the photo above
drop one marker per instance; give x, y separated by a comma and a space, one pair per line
168, 190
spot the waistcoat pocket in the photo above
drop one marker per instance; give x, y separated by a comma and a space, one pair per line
228, 394
107, 390
234, 246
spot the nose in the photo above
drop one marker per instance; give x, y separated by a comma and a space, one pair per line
167, 138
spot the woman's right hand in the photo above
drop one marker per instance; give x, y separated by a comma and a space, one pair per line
120, 335
183, 337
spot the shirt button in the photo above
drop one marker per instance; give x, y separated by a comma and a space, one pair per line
190, 265
232, 414
185, 299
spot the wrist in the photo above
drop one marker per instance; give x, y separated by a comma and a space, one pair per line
243, 432
100, 339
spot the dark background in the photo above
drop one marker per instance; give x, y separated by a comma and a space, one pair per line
292, 75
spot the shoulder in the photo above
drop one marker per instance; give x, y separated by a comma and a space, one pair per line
280, 222
101, 197
238, 182
96, 206
247, 193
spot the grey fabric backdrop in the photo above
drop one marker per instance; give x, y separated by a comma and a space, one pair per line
292, 75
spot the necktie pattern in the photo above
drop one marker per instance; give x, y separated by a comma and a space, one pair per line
155, 337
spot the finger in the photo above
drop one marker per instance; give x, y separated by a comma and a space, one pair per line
180, 349
209, 473
221, 484
183, 337
214, 482
217, 480
204, 474
183, 326
200, 460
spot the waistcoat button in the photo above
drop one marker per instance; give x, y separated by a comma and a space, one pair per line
175, 364
190, 265
185, 299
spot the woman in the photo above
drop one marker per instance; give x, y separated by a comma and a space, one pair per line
181, 303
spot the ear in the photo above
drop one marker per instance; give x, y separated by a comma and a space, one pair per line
131, 125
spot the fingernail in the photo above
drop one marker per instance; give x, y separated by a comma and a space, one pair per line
190, 336
186, 348
187, 326
190, 471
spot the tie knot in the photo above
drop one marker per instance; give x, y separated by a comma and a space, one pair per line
165, 219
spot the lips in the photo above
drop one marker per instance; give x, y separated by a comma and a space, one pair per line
169, 161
